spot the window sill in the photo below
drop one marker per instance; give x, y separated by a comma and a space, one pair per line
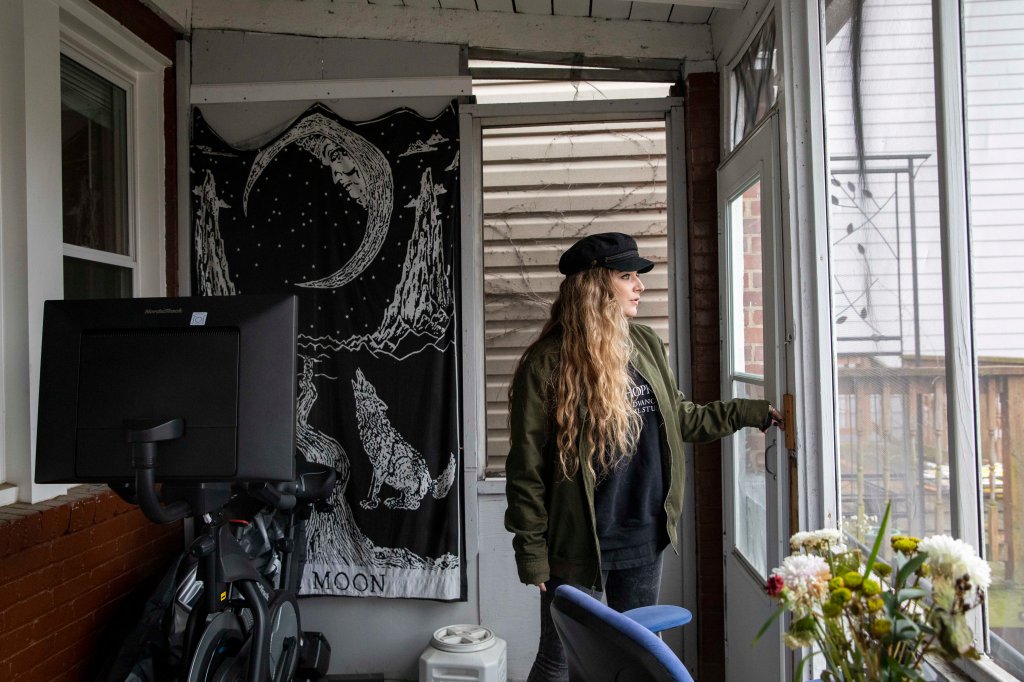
490, 486
8, 494
984, 670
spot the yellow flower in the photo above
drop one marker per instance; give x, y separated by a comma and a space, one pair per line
853, 579
841, 596
831, 609
875, 603
904, 544
881, 627
835, 583
871, 587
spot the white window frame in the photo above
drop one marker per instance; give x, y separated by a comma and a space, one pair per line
112, 73
728, 88
33, 33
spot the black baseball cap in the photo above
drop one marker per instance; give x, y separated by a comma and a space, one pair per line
612, 250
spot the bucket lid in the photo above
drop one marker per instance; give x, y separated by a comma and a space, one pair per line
462, 638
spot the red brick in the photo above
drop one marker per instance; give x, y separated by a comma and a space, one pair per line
14, 640
121, 506
105, 506
6, 532
27, 610
88, 602
68, 589
53, 668
73, 544
83, 512
76, 629
55, 521
28, 658
104, 573
27, 561
99, 554
132, 542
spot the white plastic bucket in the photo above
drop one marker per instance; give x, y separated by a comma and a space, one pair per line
464, 653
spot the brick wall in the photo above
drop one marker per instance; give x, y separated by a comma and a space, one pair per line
68, 566
702, 157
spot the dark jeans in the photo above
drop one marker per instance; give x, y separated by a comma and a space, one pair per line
624, 589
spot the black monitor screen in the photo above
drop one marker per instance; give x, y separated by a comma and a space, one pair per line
225, 366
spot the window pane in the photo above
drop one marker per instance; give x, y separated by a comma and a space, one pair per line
544, 187
755, 85
94, 145
751, 510
89, 279
747, 267
886, 267
994, 81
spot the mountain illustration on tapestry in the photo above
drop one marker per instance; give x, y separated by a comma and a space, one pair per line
213, 277
420, 311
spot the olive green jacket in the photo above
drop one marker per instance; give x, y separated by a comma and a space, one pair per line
551, 517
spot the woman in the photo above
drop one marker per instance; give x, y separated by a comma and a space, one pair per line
595, 470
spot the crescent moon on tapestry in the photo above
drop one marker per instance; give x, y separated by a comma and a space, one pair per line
361, 170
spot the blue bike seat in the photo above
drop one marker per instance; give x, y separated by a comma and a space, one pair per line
313, 481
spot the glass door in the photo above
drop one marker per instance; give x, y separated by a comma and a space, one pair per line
754, 467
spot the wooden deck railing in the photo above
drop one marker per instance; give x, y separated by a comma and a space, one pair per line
893, 446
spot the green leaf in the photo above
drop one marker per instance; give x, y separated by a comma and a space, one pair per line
911, 593
909, 568
904, 629
878, 541
768, 624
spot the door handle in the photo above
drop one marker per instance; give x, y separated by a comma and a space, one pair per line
767, 449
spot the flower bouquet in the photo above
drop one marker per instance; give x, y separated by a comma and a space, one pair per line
871, 620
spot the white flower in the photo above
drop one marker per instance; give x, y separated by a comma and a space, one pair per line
805, 575
953, 559
797, 541
818, 540
829, 535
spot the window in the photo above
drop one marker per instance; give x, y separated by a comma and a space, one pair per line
81, 148
754, 82
994, 85
95, 191
908, 274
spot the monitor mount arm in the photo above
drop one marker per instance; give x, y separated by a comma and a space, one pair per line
144, 435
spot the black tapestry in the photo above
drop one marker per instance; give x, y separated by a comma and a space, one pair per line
360, 221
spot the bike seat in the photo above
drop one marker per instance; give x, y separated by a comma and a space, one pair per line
313, 481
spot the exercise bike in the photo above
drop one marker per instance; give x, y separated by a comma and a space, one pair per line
237, 590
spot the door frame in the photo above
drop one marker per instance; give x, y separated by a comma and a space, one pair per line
473, 119
757, 158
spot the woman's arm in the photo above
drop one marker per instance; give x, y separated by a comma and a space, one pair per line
718, 419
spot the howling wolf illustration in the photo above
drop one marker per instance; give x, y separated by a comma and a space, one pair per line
394, 460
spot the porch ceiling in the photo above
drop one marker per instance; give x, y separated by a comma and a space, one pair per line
686, 12
615, 28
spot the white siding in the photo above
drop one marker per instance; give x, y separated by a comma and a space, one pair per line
994, 77
897, 90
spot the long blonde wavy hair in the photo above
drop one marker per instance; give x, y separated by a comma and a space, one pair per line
592, 372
